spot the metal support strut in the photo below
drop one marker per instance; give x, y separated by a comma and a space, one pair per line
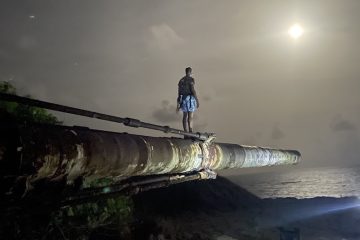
130, 122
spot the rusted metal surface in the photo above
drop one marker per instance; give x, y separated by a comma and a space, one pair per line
68, 153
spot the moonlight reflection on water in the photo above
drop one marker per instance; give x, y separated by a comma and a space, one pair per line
305, 183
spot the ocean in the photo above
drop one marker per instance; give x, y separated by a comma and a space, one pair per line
302, 183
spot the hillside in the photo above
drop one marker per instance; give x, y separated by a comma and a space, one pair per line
219, 209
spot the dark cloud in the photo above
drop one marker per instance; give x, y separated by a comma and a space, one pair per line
340, 125
207, 98
166, 113
277, 133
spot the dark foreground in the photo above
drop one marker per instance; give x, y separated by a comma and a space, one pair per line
220, 209
213, 209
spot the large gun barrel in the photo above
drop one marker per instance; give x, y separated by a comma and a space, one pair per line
47, 152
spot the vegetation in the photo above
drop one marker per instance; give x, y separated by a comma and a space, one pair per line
24, 113
81, 221
71, 222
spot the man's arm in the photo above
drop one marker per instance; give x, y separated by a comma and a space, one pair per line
193, 92
178, 98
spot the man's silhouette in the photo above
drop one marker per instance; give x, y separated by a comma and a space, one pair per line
187, 99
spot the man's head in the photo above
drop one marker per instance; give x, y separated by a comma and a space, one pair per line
188, 71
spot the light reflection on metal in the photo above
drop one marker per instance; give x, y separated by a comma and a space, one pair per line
68, 153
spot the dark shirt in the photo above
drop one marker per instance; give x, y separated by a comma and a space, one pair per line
186, 86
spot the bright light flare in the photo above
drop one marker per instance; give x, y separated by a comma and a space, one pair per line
296, 31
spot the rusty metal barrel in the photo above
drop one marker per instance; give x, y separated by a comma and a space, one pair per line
59, 152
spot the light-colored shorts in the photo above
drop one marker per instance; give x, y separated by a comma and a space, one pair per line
188, 104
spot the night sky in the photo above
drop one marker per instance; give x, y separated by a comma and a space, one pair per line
256, 85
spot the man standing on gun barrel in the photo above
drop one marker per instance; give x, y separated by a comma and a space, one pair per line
187, 99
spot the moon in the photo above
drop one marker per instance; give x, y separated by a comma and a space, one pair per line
296, 31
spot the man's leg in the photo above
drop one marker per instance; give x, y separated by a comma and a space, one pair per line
185, 121
190, 121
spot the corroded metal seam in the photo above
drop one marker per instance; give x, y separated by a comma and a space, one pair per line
70, 152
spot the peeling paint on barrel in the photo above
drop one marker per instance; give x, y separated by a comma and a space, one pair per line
92, 154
